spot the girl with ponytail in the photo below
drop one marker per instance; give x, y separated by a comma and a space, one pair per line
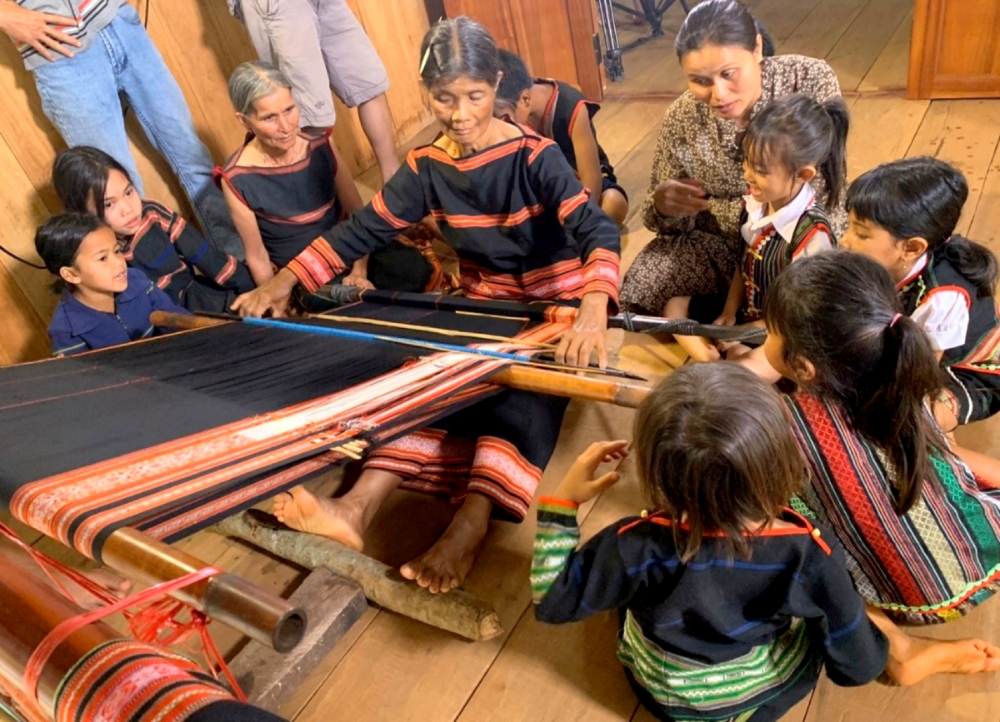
789, 143
920, 527
903, 214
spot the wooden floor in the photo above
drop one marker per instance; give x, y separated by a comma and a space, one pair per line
392, 669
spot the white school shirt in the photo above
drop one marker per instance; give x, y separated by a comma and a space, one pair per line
784, 220
944, 313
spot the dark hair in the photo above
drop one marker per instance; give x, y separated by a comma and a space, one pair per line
516, 78
796, 131
456, 47
922, 197
713, 445
725, 23
840, 312
80, 174
58, 240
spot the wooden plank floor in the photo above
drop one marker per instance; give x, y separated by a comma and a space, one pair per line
390, 668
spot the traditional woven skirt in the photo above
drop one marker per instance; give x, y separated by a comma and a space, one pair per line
498, 448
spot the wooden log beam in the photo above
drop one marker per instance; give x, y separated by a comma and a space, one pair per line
457, 611
269, 678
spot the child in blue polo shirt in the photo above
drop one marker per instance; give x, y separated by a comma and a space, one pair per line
104, 303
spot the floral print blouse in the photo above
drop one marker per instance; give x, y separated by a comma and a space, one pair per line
695, 143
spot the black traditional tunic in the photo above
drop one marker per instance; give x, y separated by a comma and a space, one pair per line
295, 204
965, 327
566, 107
713, 638
523, 227
183, 264
773, 242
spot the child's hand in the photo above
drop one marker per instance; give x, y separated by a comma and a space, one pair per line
579, 484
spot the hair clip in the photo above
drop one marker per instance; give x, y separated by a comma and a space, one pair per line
427, 55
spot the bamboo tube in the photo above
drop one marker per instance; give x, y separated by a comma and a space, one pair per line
225, 598
29, 610
557, 383
457, 611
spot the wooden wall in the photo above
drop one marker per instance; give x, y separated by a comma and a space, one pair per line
201, 44
555, 38
955, 49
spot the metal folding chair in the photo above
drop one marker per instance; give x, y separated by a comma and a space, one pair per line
652, 13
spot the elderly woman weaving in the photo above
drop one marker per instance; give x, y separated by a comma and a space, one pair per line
523, 227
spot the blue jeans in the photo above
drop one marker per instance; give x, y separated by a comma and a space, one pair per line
80, 95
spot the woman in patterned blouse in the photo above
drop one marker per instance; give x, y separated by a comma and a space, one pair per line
695, 195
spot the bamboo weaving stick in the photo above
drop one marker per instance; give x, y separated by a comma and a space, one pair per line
522, 377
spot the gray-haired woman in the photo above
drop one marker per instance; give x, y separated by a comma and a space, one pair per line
285, 188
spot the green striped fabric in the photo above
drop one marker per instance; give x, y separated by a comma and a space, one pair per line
679, 684
556, 539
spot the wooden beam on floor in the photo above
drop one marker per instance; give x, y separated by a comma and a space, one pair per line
333, 604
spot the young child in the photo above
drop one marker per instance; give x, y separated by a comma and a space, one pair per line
104, 303
156, 240
785, 146
552, 108
733, 603
920, 528
903, 214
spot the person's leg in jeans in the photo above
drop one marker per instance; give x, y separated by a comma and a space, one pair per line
358, 77
285, 33
80, 98
163, 112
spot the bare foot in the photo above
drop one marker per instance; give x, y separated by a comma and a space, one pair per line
926, 657
443, 567
304, 511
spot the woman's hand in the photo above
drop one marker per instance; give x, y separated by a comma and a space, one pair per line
272, 296
579, 484
587, 333
680, 197
728, 318
358, 281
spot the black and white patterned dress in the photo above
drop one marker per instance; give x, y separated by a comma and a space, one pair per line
696, 255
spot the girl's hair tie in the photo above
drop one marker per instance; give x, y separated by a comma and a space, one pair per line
895, 318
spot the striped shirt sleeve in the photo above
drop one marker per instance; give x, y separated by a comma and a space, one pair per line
596, 235
570, 584
399, 205
224, 269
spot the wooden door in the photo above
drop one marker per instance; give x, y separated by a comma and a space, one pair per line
955, 49
554, 37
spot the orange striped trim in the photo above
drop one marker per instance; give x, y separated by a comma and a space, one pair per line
556, 501
227, 271
507, 147
488, 221
576, 113
316, 265
378, 203
571, 204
